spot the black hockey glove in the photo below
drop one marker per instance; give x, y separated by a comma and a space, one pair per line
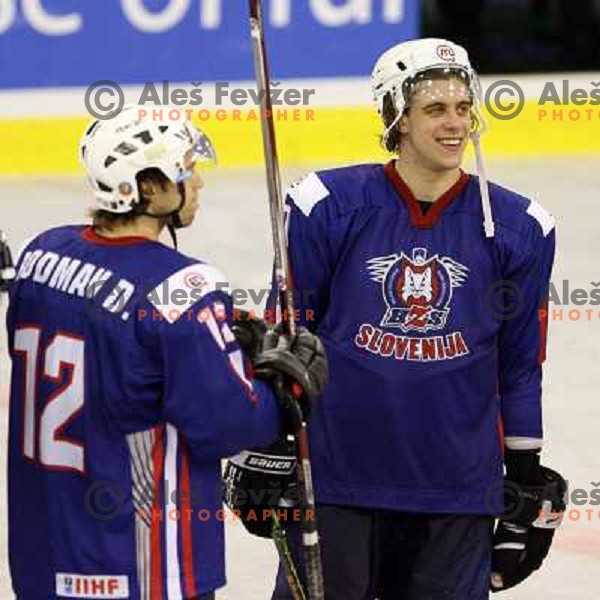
7, 268
297, 369
534, 507
250, 333
260, 482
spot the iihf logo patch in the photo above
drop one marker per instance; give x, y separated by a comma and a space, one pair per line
417, 290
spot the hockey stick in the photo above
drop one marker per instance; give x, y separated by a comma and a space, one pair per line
287, 560
310, 536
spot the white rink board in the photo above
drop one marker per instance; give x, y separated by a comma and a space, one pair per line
233, 234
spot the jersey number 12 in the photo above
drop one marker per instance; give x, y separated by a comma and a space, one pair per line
42, 439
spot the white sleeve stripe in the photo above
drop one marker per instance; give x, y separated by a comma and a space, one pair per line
193, 283
509, 546
174, 591
308, 192
542, 216
523, 443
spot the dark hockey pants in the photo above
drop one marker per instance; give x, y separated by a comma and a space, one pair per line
371, 554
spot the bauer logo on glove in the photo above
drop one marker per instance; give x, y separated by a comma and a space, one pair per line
257, 482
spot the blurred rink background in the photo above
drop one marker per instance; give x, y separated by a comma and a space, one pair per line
52, 50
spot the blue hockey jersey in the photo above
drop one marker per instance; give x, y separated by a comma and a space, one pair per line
128, 387
432, 332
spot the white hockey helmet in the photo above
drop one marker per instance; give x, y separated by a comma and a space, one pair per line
397, 68
114, 151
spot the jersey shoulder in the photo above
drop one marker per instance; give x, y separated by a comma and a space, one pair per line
338, 191
54, 236
47, 239
185, 286
523, 216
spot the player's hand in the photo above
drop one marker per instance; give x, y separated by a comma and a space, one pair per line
250, 333
297, 369
523, 539
518, 552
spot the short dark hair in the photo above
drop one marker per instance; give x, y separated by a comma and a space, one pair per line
394, 137
104, 219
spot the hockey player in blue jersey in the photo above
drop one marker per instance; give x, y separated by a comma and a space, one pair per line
128, 385
425, 284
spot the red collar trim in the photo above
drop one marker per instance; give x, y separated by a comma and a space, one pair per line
91, 235
417, 218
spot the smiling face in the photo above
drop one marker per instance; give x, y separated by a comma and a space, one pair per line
435, 129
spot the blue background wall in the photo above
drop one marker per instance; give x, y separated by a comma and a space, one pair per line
76, 42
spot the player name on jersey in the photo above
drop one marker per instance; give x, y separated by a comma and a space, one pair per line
418, 349
76, 278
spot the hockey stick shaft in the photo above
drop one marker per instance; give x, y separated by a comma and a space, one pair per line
310, 536
287, 560
276, 207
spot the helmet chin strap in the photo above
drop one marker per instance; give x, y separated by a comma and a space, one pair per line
175, 221
173, 218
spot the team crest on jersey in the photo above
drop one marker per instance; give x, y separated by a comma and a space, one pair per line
417, 289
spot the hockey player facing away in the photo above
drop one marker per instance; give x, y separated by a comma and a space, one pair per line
430, 322
128, 385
